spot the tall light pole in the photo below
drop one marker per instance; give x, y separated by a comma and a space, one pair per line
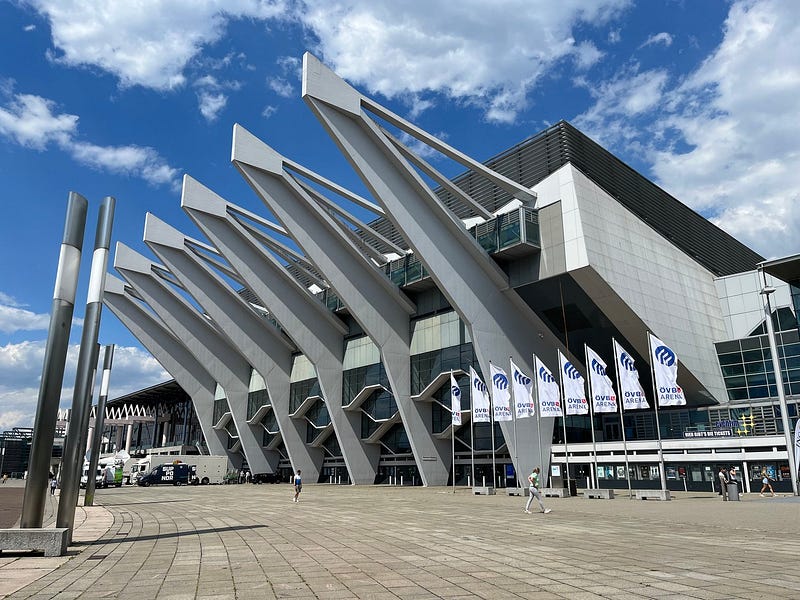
766, 291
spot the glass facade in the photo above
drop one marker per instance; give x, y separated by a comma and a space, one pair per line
511, 228
256, 400
518, 226
747, 366
220, 408
317, 419
271, 429
300, 390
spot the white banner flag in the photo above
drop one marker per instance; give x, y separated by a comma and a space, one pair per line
480, 398
665, 369
501, 394
604, 400
523, 392
547, 391
797, 445
574, 388
629, 387
455, 400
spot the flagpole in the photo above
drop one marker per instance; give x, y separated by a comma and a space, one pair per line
491, 416
655, 405
539, 407
591, 417
617, 354
453, 437
564, 419
472, 435
514, 416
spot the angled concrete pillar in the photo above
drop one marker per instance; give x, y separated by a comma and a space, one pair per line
375, 302
501, 323
202, 339
172, 355
267, 349
317, 332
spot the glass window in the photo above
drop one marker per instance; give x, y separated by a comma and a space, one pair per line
730, 359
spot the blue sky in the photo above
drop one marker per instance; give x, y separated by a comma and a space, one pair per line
123, 98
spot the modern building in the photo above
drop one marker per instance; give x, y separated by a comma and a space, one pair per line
332, 352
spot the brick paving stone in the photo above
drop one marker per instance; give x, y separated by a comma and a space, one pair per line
370, 542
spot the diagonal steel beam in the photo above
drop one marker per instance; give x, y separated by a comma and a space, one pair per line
265, 347
202, 339
195, 380
379, 307
318, 333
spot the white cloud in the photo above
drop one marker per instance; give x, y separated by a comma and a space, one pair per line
739, 115
9, 300
658, 38
31, 121
268, 111
13, 319
210, 98
630, 94
281, 86
726, 138
586, 54
29, 28
144, 45
460, 49
211, 104
20, 372
614, 36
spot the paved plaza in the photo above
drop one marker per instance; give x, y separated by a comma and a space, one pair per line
252, 541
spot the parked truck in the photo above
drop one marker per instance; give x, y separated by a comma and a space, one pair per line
209, 469
174, 473
109, 473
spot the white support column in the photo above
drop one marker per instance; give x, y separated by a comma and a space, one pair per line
318, 333
379, 307
201, 338
501, 323
264, 346
195, 380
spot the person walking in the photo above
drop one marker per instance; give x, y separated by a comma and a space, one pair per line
723, 483
533, 489
53, 486
765, 484
298, 486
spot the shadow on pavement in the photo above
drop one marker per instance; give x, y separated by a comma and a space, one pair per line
161, 536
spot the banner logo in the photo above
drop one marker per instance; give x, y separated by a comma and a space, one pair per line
456, 392
479, 385
570, 371
545, 376
500, 381
598, 368
521, 378
665, 356
626, 361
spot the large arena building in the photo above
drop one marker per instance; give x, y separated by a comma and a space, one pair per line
326, 339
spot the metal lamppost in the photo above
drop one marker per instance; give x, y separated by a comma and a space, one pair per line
766, 291
55, 356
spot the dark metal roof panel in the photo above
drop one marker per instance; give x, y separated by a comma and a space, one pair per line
532, 160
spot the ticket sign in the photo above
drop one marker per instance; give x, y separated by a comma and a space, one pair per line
715, 433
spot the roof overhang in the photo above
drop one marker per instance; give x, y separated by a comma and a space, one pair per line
786, 269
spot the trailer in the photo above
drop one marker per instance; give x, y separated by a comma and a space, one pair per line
209, 469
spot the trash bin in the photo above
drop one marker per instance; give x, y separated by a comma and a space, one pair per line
733, 492
573, 487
